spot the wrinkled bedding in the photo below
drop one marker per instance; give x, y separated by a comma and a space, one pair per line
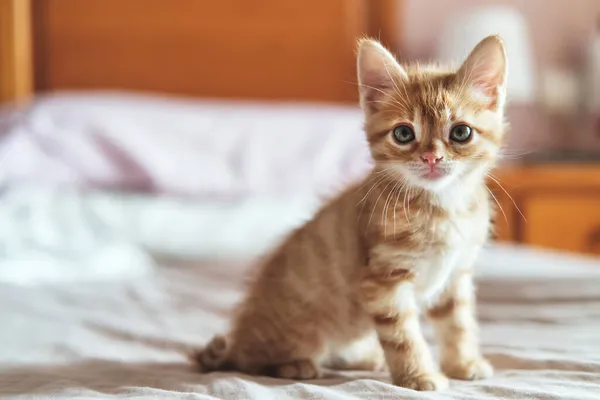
540, 317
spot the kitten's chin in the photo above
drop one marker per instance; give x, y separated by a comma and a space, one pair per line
432, 181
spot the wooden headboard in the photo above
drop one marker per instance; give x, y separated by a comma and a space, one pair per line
262, 49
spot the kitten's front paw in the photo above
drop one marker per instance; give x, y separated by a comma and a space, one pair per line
424, 382
468, 370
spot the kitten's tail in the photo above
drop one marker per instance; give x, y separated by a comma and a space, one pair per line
213, 356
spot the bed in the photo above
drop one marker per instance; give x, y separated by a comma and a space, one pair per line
138, 185
125, 335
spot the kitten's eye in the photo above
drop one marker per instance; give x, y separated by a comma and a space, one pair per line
404, 134
460, 133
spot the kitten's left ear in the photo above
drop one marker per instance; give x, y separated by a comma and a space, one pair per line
485, 72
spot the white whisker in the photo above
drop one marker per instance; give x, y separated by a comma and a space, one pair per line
387, 203
407, 209
377, 201
396, 204
498, 203
509, 196
370, 179
363, 200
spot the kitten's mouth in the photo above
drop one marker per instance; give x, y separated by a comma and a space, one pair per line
433, 174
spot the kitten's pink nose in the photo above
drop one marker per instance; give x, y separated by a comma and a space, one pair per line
431, 158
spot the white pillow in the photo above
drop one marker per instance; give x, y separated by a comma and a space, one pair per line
183, 147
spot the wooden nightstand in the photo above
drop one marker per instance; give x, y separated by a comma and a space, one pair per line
560, 204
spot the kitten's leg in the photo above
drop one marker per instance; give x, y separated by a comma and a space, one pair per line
361, 354
390, 300
457, 330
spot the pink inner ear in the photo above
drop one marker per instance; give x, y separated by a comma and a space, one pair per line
487, 86
370, 98
377, 79
487, 79
373, 83
488, 73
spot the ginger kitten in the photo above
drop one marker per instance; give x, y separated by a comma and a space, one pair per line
346, 289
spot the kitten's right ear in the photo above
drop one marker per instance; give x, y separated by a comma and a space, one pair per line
378, 71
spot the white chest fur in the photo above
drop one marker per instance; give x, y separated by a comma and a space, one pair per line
462, 237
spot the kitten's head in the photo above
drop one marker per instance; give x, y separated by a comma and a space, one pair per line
429, 125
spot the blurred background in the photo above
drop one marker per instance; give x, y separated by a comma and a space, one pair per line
197, 129
151, 149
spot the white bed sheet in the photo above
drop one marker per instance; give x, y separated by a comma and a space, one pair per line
540, 316
52, 235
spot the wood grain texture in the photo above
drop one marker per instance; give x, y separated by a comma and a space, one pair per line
560, 204
16, 79
564, 221
384, 23
267, 49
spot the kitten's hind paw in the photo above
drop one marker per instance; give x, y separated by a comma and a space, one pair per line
298, 369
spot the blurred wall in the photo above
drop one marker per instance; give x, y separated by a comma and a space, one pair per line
559, 28
560, 31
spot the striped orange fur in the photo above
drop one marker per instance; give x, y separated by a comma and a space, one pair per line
346, 289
